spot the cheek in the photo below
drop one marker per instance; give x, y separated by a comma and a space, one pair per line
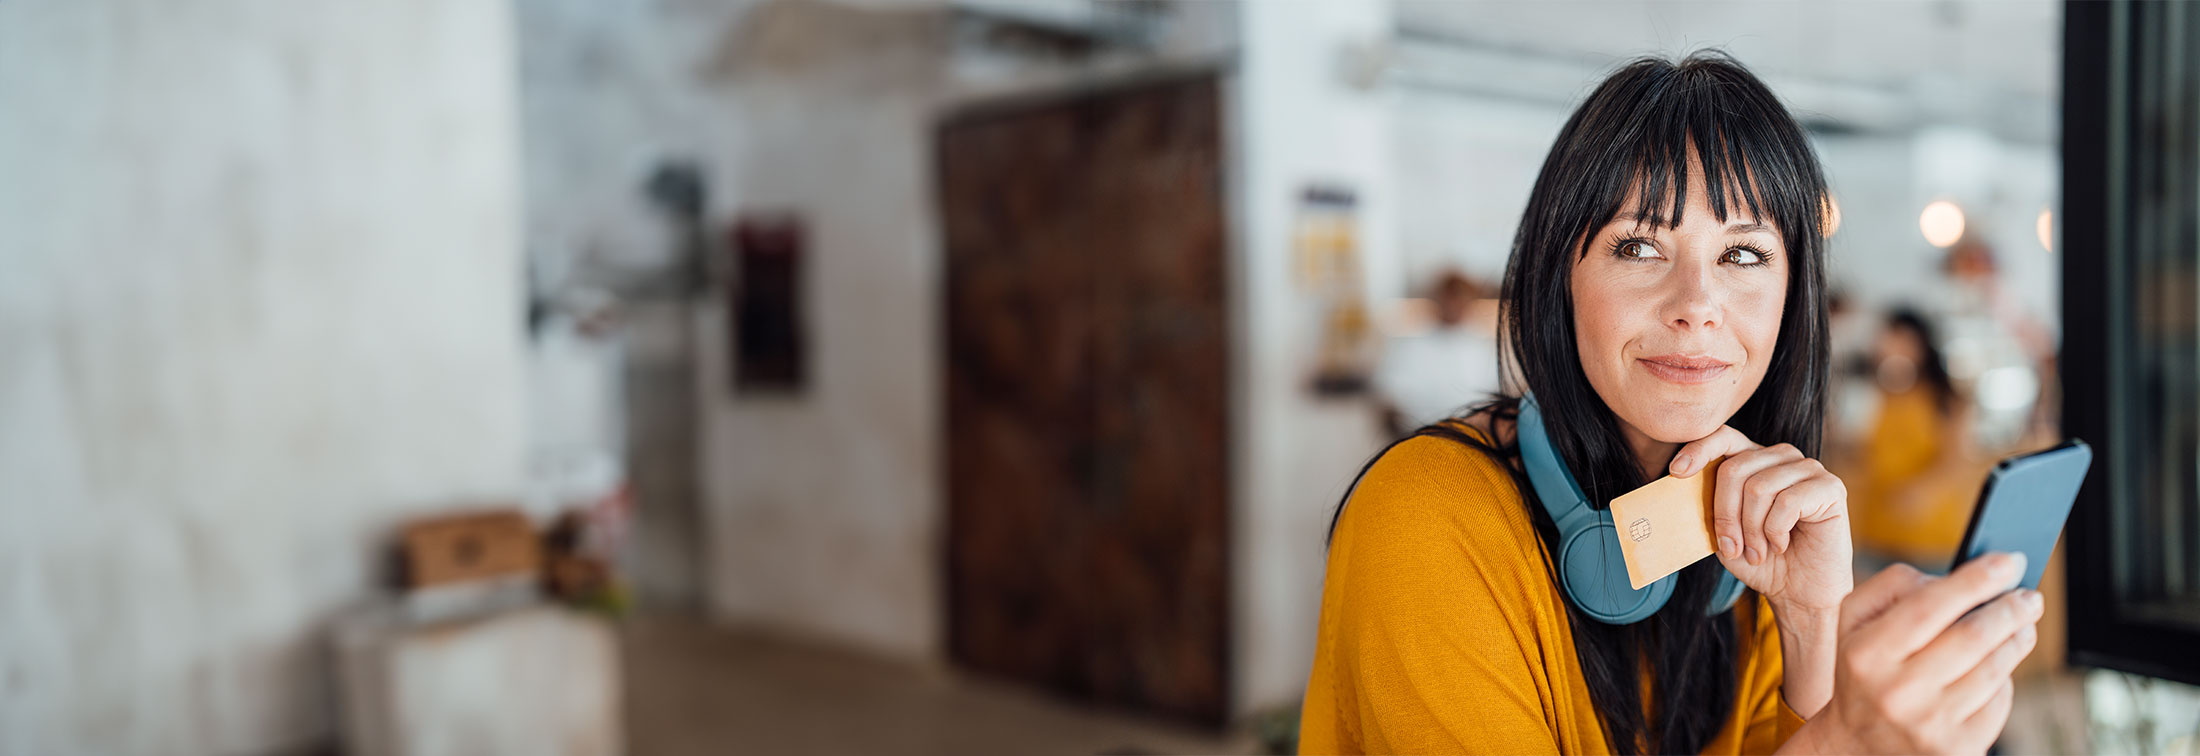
1756, 323
1606, 317
1593, 317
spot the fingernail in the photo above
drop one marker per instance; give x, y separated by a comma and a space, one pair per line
2013, 566
1680, 464
2033, 599
1726, 547
1750, 553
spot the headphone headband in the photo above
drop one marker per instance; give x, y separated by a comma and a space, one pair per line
1554, 485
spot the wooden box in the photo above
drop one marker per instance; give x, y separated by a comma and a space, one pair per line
469, 547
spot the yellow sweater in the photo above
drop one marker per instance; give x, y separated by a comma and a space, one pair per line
1901, 505
1442, 630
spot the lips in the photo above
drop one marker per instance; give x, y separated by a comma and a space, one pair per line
1685, 369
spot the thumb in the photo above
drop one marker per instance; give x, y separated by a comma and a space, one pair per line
1881, 592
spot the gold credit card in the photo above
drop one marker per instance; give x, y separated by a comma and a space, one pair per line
1666, 525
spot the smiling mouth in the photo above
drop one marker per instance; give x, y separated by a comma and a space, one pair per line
1684, 369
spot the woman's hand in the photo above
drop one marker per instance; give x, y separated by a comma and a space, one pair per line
1914, 673
1780, 521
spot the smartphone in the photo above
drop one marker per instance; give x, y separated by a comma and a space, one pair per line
2023, 507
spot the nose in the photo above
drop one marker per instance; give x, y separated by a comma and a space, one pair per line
1692, 299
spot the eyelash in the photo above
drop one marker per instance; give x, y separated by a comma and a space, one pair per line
1619, 247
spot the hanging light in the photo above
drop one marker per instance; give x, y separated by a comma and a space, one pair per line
1942, 223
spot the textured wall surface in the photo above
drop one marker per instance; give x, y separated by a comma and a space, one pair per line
820, 510
259, 300
1299, 122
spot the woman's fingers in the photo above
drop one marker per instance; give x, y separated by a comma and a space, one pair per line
1916, 619
1878, 593
1806, 500
1761, 492
1972, 641
1980, 729
1976, 687
1748, 520
1915, 674
1695, 454
1731, 516
1726, 442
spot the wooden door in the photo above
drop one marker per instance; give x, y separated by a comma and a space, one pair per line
1086, 338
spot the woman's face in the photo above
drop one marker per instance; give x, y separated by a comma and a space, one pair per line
1900, 351
1676, 325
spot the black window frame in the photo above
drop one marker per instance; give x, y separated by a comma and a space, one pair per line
2130, 119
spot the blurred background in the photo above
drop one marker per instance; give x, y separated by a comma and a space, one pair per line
956, 376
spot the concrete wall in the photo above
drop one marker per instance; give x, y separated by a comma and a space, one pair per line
1298, 120
826, 507
822, 511
259, 300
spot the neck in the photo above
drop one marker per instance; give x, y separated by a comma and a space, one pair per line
1651, 455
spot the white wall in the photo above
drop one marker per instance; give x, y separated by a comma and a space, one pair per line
1296, 121
821, 510
260, 301
1465, 165
826, 508
1885, 181
1464, 168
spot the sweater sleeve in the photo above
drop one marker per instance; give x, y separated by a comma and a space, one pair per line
1437, 616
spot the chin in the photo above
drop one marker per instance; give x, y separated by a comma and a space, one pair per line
1678, 422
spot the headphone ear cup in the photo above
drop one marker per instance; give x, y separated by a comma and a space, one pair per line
1591, 570
1728, 591
1595, 576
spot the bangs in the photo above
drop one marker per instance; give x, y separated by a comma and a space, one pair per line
1740, 141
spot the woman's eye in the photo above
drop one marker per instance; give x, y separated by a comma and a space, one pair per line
1741, 256
1638, 249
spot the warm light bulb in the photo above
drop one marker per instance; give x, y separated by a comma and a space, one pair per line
2047, 229
1942, 223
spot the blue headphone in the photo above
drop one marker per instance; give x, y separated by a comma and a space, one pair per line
1590, 567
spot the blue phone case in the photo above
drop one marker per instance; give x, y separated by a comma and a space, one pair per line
2024, 505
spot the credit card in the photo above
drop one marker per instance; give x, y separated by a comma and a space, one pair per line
1666, 525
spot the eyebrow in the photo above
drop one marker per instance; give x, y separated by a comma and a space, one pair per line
1657, 220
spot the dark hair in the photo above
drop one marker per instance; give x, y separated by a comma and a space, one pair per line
1932, 369
1635, 131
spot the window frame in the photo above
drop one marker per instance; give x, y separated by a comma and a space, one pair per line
2121, 74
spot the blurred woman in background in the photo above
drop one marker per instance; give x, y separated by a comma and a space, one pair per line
1917, 470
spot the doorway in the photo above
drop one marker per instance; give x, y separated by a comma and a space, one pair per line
1086, 335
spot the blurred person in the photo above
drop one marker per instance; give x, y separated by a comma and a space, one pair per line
1997, 349
1665, 307
1976, 272
1916, 471
1425, 377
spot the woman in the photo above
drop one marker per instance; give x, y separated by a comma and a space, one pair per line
1665, 309
1918, 473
